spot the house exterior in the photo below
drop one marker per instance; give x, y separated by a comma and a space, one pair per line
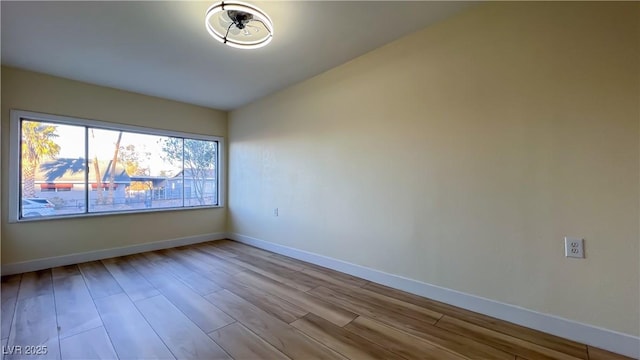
199, 186
62, 181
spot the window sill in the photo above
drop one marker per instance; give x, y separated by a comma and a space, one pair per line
99, 214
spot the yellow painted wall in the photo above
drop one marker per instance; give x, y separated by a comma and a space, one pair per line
43, 93
461, 155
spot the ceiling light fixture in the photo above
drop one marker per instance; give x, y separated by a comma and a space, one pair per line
239, 25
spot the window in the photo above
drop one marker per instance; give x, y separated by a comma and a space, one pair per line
66, 167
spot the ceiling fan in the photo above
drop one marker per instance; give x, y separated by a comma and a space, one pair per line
239, 25
238, 22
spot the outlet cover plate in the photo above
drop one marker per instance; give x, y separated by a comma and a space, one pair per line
574, 247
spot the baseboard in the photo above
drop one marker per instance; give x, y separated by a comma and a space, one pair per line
591, 335
46, 263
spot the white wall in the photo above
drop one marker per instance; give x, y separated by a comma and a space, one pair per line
24, 242
461, 156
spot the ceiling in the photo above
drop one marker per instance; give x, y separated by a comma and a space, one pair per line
162, 48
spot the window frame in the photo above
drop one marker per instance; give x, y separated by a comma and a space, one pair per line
17, 116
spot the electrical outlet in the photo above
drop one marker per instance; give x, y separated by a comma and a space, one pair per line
275, 212
573, 247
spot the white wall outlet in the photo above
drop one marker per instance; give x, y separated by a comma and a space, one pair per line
573, 247
275, 212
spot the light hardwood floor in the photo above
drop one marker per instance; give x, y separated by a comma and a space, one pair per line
225, 300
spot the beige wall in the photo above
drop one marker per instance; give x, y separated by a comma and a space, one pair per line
461, 156
42, 93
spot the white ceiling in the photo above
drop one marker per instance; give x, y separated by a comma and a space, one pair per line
162, 48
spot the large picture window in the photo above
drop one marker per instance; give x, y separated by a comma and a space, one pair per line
66, 167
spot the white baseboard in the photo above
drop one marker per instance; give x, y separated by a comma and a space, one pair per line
46, 263
610, 340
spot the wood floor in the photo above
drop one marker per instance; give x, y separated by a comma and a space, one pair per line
223, 300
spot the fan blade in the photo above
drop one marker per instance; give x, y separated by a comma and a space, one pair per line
224, 20
254, 28
223, 23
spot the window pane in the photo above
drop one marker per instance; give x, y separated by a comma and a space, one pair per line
52, 172
131, 171
200, 182
73, 166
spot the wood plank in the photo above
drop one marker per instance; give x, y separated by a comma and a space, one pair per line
455, 343
190, 263
202, 262
327, 310
225, 246
269, 266
543, 339
281, 277
99, 280
63, 271
396, 341
216, 262
162, 271
501, 341
268, 256
9, 293
329, 278
408, 308
388, 303
132, 337
34, 324
244, 248
75, 309
35, 283
193, 305
265, 262
197, 282
273, 305
270, 304
10, 285
424, 329
556, 343
155, 274
374, 311
419, 301
293, 261
460, 345
241, 343
152, 256
306, 279
599, 354
91, 344
218, 251
346, 278
184, 338
130, 280
343, 341
282, 336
